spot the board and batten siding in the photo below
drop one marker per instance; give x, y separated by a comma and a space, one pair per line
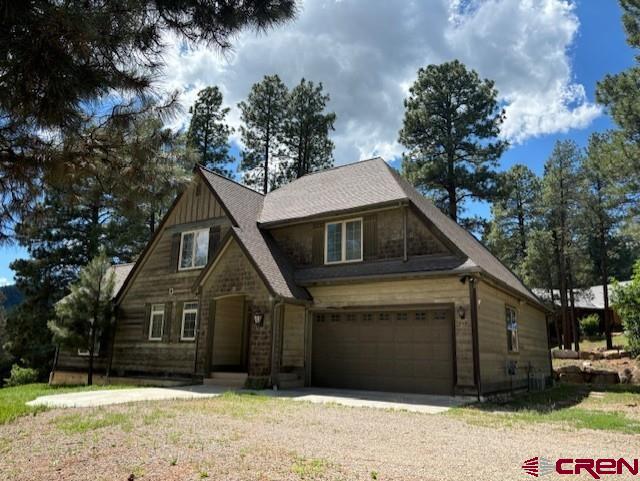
293, 336
408, 292
492, 339
159, 282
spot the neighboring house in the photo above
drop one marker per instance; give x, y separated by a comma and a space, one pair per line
346, 278
589, 300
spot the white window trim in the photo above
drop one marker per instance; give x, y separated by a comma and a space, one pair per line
517, 347
343, 229
195, 326
193, 252
154, 311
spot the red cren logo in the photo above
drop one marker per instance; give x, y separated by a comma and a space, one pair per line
538, 466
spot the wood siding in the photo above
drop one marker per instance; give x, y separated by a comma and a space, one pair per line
410, 292
383, 238
158, 281
492, 338
293, 336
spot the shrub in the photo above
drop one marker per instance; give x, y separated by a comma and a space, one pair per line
590, 325
626, 301
21, 375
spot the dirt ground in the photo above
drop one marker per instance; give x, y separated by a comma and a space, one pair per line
254, 438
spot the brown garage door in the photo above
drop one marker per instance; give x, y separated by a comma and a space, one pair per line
402, 351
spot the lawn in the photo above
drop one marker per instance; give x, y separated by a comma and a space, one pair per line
610, 408
619, 340
13, 399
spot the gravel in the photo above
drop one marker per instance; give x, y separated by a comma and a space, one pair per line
232, 438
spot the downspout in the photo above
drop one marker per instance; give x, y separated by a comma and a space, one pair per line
198, 330
473, 301
404, 233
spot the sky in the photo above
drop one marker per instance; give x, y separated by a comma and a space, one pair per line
545, 56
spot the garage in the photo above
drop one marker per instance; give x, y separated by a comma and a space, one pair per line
386, 350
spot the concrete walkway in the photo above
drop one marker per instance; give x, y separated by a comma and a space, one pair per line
421, 403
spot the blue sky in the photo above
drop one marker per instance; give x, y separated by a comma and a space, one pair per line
530, 47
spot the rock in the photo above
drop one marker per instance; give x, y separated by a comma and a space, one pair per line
625, 355
586, 364
586, 354
604, 377
565, 354
625, 377
611, 354
570, 369
571, 377
635, 376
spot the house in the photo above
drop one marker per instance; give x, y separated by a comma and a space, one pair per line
345, 278
588, 300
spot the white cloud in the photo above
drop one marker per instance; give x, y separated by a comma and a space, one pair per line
4, 282
367, 52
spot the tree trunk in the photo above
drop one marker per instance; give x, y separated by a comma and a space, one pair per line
266, 163
574, 318
562, 282
91, 354
605, 290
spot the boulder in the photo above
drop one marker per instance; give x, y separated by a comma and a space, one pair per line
570, 369
604, 377
613, 354
590, 355
565, 354
571, 377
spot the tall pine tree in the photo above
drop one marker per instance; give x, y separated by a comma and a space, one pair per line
450, 128
263, 114
208, 133
307, 125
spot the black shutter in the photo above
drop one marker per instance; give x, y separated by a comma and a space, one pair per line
317, 247
175, 252
145, 321
370, 237
166, 328
214, 240
176, 325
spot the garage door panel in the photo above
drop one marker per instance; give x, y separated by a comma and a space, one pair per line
404, 351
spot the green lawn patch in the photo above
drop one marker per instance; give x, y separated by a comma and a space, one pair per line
13, 399
606, 408
309, 468
77, 423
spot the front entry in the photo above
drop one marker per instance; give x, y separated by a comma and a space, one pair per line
392, 350
230, 335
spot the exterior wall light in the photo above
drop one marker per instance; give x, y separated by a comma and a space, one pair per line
258, 317
461, 312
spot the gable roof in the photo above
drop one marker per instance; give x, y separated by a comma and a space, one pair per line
120, 274
370, 183
243, 206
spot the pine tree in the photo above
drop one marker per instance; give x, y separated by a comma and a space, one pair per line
208, 132
306, 141
514, 216
450, 128
263, 114
85, 315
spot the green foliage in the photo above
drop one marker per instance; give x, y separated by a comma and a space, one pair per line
306, 143
450, 128
627, 304
82, 423
21, 376
85, 315
590, 325
208, 133
514, 216
263, 115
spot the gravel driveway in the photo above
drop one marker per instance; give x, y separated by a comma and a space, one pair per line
252, 438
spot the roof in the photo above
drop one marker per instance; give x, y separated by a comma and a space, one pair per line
588, 298
349, 187
369, 183
243, 206
120, 273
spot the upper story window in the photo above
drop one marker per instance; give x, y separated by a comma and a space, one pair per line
512, 329
194, 249
156, 322
343, 241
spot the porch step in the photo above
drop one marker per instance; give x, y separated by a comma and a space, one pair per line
226, 379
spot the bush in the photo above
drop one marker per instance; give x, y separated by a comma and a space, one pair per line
21, 375
590, 325
626, 301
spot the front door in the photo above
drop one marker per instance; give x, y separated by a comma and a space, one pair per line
230, 335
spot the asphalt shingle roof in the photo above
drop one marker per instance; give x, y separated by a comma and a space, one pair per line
354, 186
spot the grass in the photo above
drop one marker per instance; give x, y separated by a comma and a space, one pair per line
307, 468
13, 399
619, 340
611, 408
76, 423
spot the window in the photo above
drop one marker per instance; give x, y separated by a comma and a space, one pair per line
194, 248
335, 317
421, 316
351, 317
343, 241
156, 322
189, 321
401, 316
96, 351
384, 316
319, 317
512, 329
